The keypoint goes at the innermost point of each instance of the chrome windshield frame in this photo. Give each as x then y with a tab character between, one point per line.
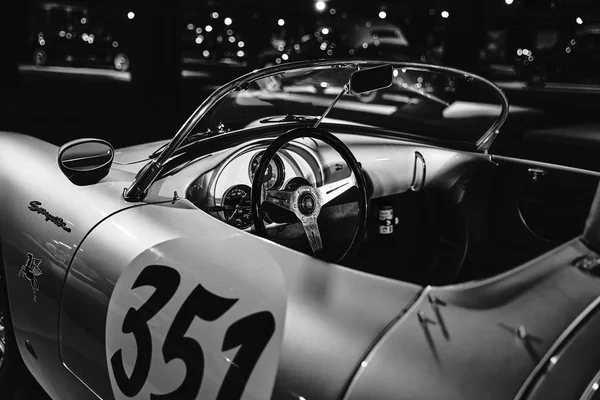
145	178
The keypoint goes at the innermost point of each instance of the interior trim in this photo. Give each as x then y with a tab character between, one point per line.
496	158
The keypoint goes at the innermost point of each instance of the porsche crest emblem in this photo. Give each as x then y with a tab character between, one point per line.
31	270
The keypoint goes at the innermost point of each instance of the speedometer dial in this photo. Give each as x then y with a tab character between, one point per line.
236	204
295	183
274	174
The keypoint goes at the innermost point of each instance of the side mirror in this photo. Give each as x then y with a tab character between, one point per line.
367	80
85	161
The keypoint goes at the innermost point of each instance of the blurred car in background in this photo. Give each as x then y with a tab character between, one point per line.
364	40
559	56
207	41
66	34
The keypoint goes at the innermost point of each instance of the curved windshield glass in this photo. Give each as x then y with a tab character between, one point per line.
421	101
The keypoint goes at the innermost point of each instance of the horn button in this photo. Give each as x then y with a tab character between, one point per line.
307	203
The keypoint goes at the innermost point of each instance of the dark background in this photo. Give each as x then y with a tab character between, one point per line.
75	95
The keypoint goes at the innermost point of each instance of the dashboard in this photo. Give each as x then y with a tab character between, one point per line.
287	170
220	183
301	162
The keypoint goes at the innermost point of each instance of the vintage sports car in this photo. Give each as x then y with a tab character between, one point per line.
290	245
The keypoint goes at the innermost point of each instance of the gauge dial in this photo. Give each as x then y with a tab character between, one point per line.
236	202
274	174
295	183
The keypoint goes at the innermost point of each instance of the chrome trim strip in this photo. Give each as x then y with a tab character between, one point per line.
82	382
146	177
592	388
537	372
541	164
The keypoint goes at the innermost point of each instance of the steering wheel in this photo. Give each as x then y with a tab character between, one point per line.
305	202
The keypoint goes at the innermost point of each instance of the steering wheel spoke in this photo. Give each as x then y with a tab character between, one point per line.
311	228
333	190
280	198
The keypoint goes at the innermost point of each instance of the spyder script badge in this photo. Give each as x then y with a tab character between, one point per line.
36	206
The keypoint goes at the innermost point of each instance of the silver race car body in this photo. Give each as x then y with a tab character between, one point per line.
145	283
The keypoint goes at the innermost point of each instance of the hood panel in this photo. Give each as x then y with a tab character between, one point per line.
132	159
137	152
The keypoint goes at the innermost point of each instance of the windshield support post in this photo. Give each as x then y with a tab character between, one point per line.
345	90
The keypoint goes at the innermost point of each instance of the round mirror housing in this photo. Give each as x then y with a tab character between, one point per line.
85	161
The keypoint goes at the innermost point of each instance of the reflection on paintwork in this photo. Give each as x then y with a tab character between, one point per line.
60	251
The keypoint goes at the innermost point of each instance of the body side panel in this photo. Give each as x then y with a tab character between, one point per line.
50	231
328	315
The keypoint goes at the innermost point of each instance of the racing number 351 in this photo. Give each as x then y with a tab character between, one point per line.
252	333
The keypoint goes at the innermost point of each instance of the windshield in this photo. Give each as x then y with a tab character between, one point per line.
422	101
